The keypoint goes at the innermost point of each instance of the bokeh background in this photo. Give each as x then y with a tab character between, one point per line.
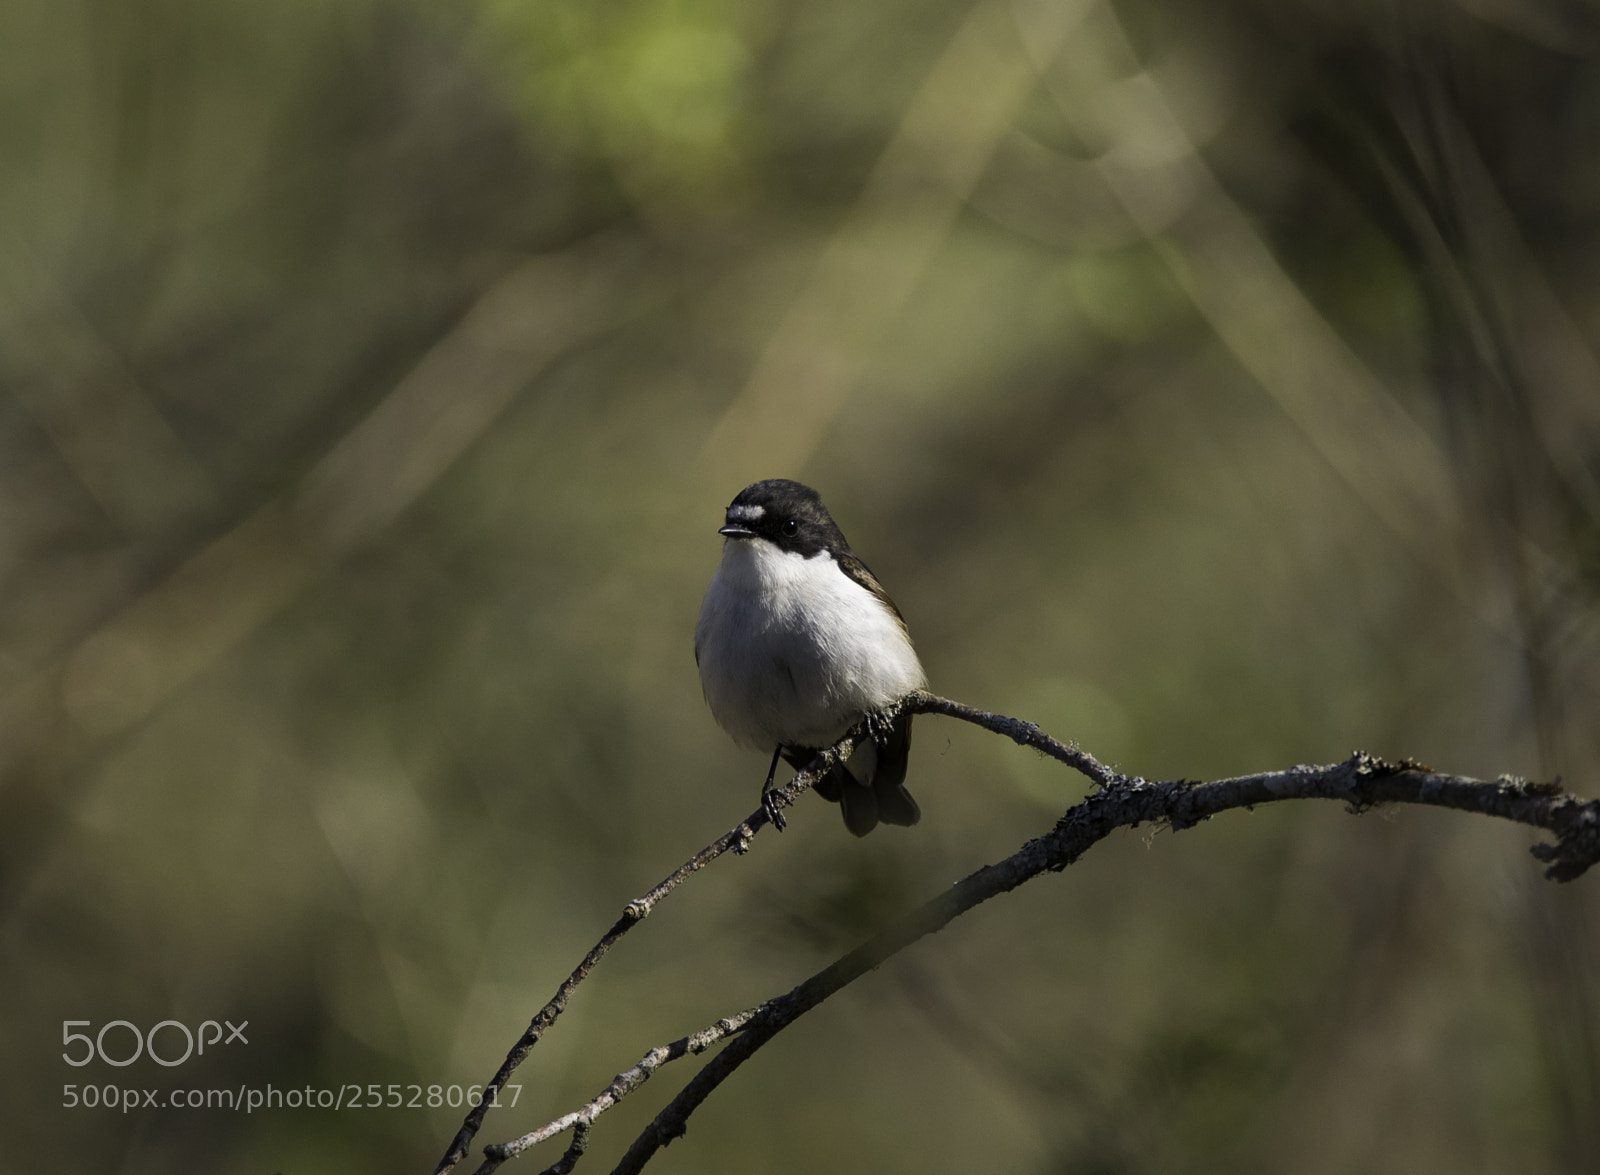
1214	384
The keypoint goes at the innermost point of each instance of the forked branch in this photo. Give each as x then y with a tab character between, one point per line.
1360	782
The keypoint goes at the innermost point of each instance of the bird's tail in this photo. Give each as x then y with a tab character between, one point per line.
870	788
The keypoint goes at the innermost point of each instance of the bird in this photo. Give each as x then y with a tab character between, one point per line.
797	641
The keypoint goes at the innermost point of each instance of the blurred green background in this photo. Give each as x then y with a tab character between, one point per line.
1213	384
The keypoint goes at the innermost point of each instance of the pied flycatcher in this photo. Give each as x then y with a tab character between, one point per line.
797	641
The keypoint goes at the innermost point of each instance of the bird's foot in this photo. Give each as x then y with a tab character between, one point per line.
877	727
772	802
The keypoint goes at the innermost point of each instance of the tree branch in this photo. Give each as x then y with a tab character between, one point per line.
1360	782
621	1086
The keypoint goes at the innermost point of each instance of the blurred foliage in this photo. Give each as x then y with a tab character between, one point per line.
1212	384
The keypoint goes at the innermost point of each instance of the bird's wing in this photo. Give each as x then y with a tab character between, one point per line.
858	571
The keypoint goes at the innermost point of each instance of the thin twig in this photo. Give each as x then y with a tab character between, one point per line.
621	1086
1025	734
569	1158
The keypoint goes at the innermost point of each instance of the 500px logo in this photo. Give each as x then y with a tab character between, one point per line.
145	1042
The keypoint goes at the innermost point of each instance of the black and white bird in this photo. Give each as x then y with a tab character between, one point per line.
797	641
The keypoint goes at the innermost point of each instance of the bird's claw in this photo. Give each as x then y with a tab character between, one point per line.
772	802
877	728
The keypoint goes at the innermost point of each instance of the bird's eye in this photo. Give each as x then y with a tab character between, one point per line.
791	527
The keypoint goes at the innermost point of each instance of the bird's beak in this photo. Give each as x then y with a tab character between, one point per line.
734	531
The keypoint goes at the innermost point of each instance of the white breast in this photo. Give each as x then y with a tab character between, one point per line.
794	651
